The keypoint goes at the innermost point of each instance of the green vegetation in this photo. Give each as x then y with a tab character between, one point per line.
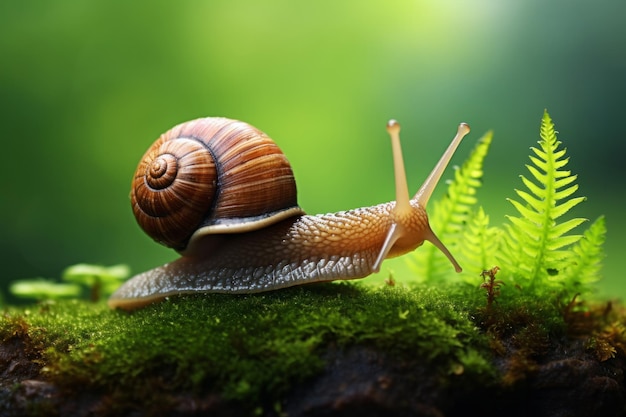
251	350
535	247
92	281
43	289
535	251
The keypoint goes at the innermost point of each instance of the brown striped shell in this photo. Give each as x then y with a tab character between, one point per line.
211	176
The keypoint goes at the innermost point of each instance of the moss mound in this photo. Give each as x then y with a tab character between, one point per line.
258	353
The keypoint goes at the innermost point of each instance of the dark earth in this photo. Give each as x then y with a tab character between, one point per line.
560	378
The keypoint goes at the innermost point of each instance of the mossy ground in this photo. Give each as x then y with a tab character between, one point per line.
254	349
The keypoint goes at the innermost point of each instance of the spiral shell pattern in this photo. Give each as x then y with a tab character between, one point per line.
207	173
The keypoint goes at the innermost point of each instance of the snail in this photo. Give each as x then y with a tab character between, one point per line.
222	194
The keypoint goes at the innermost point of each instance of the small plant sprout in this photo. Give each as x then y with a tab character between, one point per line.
100	280
491	284
42	289
390	280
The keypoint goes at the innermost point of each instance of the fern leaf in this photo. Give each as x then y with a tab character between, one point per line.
560	210
561	242
512	248
450	214
565	181
477	247
589	254
560	195
528	212
565	227
535	246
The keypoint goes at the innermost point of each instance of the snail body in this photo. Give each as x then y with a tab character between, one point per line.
227	246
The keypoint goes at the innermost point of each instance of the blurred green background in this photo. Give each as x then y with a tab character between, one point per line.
85	87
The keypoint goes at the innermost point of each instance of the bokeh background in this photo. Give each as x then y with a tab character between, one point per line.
85	87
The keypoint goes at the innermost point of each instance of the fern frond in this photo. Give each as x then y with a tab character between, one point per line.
450	214
477	247
535	245
589	254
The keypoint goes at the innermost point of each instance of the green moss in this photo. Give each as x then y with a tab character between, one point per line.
246	347
253	349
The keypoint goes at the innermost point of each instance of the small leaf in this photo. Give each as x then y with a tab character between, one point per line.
41	289
527	212
535	189
541	178
565	227
100	280
565	181
559	164
566	193
561	209
562	241
84	273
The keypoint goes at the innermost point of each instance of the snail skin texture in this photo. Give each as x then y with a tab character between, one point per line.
222	194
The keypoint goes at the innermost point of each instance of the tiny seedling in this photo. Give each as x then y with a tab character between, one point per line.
98	281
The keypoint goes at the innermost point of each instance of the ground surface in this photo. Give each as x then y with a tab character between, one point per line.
341	351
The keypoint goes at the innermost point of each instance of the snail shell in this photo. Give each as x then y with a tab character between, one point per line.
209	176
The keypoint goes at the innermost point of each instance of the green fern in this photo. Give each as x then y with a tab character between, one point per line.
534	250
450	214
477	247
536	246
588	254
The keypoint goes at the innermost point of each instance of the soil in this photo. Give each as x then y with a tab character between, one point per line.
564	379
